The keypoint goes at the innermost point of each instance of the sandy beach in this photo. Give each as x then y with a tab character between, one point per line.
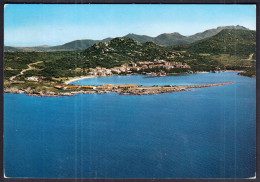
78	78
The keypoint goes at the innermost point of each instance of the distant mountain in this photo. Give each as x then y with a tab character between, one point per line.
165	39
169	39
78	44
9	48
212	32
140	38
36	48
75	45
43	46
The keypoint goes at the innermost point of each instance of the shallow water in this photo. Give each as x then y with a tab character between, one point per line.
184	79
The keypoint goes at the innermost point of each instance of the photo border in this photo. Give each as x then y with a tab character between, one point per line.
256	2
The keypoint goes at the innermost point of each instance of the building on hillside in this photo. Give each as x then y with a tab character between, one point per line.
144	67
167	67
135	68
115	70
122	69
159	61
35	78
155	66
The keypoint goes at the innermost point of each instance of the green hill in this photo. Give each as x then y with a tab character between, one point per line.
228	41
121	50
212	32
232	49
171	39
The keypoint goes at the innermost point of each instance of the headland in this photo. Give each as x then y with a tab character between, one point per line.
133	89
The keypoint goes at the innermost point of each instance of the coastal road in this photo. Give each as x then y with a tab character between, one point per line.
24	70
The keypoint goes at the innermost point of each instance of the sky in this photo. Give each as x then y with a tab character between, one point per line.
46	24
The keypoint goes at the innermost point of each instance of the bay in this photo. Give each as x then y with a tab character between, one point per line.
202	133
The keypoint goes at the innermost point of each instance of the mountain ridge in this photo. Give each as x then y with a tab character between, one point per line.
164	39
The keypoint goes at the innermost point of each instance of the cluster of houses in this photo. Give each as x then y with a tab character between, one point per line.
134	67
35	78
126	68
98	71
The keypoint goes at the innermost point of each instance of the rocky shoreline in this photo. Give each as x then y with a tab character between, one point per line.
165	89
140	90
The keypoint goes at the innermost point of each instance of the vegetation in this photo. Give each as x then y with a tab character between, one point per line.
233	42
250	72
232	49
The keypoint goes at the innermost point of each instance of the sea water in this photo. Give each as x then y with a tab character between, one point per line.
202	133
184	79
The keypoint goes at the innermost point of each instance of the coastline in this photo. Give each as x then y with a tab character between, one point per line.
239	71
73	79
56	91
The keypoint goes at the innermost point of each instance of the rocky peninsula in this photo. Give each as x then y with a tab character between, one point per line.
120	89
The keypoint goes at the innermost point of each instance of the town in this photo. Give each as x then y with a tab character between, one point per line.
129	68
145	67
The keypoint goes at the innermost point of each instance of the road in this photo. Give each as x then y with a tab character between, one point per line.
24	70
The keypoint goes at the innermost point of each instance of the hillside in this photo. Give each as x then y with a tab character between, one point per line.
75	45
228	41
75	63
212	32
171	39
229	49
165	39
121	50
140	38
78	44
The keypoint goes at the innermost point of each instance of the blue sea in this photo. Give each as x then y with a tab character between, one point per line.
202	133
